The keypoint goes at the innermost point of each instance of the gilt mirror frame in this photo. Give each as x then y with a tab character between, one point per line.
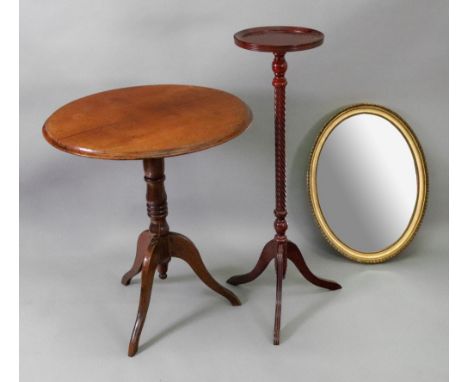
421	176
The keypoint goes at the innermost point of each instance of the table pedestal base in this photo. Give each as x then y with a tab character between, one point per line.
281	252
157	245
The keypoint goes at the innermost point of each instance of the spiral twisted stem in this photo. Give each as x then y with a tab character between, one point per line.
279	67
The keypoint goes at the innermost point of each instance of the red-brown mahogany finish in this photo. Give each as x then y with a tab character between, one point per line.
150	123
280	40
158	245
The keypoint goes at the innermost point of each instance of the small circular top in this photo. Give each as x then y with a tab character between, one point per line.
278	39
153	121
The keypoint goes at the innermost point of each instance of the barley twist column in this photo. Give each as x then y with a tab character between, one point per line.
280	40
279	82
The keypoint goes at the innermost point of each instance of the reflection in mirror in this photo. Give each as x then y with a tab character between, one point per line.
367	181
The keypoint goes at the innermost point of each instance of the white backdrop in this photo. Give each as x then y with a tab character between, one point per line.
80	217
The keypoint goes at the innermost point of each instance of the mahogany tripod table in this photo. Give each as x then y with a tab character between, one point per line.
150	123
279	40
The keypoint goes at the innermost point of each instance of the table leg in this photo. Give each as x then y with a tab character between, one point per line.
162	270
149	268
142	248
183	248
157	245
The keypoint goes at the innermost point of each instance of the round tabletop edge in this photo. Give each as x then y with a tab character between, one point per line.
259	47
148	154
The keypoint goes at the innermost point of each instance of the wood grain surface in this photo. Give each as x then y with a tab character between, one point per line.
152	121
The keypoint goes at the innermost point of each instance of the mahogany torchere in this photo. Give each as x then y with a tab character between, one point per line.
279	40
150	123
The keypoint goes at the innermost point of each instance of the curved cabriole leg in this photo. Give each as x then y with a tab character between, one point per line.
281	249
142	246
294	254
157	245
280	261
268	254
154	242
147	277
184	249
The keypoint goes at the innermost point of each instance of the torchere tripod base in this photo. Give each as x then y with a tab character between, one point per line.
281	252
154	253
279	40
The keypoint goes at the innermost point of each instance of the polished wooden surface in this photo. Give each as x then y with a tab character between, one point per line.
141	122
278	39
158	245
150	123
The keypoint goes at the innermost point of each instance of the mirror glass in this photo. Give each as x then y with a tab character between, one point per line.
366	182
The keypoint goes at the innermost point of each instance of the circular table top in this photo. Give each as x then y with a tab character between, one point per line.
278	39
153	121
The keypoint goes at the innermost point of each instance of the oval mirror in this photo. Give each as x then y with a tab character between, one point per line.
367	183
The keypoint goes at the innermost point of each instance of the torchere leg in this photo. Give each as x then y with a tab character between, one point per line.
147	277
142	246
285	264
184	249
280	261
268	254
294	254
280	247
